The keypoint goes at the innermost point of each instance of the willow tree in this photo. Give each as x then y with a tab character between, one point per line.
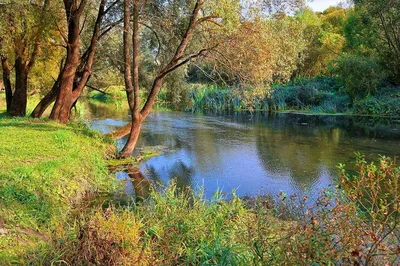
187	22
23	32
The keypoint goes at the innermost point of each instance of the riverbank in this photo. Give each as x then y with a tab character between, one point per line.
45	170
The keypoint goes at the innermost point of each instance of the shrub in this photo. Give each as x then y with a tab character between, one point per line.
385	104
319	95
359	75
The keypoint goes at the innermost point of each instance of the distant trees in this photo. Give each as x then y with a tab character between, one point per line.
323	33
384	16
24	29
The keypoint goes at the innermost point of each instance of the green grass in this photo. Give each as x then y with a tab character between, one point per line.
45	168
112	94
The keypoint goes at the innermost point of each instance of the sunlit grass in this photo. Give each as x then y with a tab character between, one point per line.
45	168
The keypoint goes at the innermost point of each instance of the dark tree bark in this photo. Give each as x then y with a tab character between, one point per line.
7	81
178	60
20	96
47	100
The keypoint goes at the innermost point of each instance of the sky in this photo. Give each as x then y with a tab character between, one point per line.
321	5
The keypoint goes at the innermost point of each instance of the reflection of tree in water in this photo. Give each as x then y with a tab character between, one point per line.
179	172
100	110
154	139
182	174
297	150
140	183
152	174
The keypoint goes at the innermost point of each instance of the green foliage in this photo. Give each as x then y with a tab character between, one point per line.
112	94
171	228
45	168
362	35
325	40
317	95
384	18
359	75
211	97
386	103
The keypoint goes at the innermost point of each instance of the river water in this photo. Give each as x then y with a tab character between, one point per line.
252	154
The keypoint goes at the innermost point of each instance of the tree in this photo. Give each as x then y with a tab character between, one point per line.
179	58
209	22
23	29
324	35
386	15
76	68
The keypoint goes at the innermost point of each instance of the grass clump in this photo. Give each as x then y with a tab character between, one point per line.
45	168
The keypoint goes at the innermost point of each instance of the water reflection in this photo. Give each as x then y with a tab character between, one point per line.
140	183
255	153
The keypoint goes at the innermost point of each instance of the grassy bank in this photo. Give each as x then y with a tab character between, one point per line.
45	169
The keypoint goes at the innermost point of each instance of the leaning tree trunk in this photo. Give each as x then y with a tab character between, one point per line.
132	139
62	107
77	70
132	88
47	100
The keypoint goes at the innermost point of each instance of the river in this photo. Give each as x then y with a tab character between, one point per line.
252	154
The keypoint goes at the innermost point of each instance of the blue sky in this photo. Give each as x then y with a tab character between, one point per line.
321	5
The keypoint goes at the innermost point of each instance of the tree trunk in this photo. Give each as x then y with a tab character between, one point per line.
7	81
46	101
20	96
62	107
132	88
77	70
132	140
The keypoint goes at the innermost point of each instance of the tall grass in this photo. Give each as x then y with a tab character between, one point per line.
212	97
320	95
356	224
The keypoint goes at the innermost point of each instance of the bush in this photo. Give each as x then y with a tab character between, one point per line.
318	95
359	75
385	104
